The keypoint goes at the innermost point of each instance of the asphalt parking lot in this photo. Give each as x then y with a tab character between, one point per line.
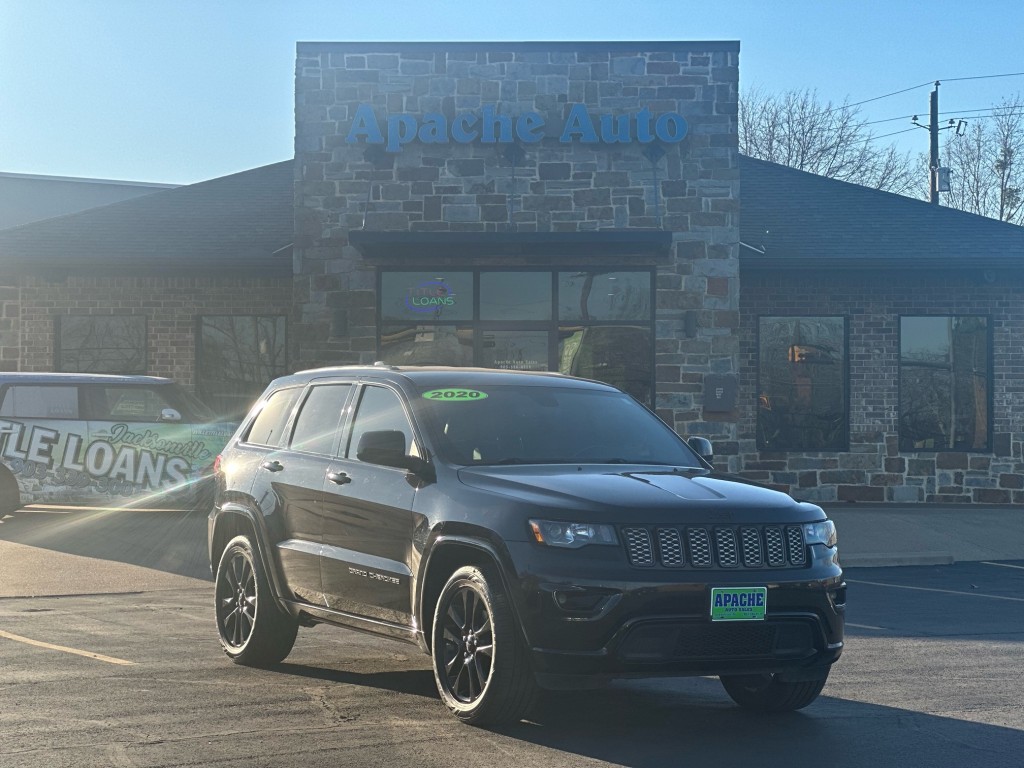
112	660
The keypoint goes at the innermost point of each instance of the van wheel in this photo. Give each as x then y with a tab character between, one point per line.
766	693
10	494
481	662
253	629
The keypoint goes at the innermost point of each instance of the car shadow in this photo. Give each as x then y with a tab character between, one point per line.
169	541
691	722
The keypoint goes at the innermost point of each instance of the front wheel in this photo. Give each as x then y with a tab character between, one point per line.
253	629
481	662
766	693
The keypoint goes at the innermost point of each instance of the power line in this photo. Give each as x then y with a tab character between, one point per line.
980	77
887	135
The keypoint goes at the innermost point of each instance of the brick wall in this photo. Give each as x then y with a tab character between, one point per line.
551	187
10	325
170	305
874	469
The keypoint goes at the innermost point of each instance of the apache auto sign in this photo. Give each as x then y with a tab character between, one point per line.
490	127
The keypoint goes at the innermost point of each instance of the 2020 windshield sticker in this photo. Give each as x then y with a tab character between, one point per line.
455	395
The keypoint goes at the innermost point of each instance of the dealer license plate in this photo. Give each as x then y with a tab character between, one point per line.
738	603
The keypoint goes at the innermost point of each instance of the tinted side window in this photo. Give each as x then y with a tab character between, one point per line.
380	409
126	403
40	402
268	427
318	420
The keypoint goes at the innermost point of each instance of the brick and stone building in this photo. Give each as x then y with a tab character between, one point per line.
564	206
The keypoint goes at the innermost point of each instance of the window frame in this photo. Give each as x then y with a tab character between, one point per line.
847	414
989	384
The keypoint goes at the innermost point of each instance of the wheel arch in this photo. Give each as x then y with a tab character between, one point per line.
236	520
448	554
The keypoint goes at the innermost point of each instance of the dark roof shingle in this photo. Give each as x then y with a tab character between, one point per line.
800	219
233	223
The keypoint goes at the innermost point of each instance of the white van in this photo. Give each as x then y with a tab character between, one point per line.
70	439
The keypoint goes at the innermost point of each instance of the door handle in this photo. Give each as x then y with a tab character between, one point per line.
339	478
272	466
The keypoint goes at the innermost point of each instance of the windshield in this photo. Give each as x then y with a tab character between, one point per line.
549	425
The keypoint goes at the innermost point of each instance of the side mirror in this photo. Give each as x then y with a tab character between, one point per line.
169	414
702	447
387	447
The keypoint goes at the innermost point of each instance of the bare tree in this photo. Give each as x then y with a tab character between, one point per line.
986	165
794	128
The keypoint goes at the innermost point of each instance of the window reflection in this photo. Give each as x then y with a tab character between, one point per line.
604	295
619	355
238	356
515	350
515	296
944	383
802	379
427	345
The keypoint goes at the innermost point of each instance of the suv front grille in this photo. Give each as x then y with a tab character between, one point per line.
740	546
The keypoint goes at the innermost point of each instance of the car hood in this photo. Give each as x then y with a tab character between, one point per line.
670	492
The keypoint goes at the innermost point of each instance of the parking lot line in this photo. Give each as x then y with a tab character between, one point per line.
1003	565
65	649
932	589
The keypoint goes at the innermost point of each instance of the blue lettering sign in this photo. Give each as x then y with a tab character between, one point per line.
491	127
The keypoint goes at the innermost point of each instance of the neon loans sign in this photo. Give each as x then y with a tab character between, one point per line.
430	296
489	127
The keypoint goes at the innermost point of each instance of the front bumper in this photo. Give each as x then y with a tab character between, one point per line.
592	618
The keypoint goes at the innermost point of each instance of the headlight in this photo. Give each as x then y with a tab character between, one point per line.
556	533
821	533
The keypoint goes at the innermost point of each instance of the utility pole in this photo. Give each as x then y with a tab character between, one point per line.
933	129
938	180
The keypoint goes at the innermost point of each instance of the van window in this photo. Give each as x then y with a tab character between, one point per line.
268	427
33	401
126	403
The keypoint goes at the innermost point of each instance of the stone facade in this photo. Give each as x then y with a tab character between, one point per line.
548	186
874	469
171	306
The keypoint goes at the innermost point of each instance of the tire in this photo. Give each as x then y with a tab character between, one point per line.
10	494
766	693
253	629
480	659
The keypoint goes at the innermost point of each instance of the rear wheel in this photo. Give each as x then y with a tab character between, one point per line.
10	495
766	693
253	629
481	662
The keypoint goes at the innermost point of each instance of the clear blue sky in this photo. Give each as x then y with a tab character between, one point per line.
179	91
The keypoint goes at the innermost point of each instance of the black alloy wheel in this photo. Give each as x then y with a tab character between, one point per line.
253	630
481	664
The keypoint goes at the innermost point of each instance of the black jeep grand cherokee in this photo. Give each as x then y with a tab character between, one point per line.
526	530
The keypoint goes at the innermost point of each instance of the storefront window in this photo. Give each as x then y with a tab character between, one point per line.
945	386
515	296
615	354
604	295
802	403
515	350
427	345
101	344
238	356
604	328
426	297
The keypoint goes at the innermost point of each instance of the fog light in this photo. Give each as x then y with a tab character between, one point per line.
579	600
